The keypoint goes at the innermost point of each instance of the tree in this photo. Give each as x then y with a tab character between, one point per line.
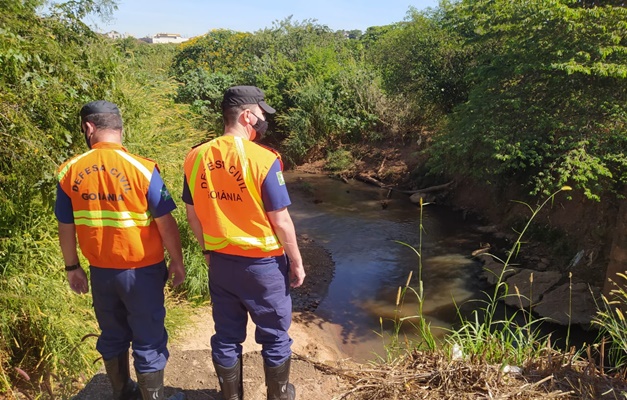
425	62
549	103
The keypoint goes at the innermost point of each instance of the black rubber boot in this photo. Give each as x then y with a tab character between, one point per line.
278	382
230	380
151	387
120	377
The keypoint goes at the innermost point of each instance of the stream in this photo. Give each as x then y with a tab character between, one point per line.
361	228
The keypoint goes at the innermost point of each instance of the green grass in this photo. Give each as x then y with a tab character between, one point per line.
612	324
339	160
394	345
42	322
48	332
483	337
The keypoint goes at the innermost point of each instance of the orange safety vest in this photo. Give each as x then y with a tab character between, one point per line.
108	187
225	177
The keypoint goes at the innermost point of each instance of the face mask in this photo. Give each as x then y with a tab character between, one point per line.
260	127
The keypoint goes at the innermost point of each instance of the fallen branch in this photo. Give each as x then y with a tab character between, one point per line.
431	188
369	179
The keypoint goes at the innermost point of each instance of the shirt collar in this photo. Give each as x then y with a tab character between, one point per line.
109	145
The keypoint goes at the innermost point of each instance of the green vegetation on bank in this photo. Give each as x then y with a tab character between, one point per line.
50	67
530	93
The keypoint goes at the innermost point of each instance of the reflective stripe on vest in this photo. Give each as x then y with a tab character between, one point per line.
73	161
136	164
194	174
267	243
116	219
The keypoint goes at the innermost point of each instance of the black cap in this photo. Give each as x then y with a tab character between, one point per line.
99	107
240	95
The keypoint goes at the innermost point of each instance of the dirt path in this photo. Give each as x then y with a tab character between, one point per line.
190	369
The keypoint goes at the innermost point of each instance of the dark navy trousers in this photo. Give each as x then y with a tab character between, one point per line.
240	286
129	306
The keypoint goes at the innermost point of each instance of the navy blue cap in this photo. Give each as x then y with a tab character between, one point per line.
99	107
241	95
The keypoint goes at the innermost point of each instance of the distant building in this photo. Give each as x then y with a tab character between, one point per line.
165	38
115	35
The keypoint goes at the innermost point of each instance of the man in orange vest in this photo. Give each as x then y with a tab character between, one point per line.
119	208
236	203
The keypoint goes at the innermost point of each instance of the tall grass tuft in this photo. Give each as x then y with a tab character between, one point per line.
418	321
612	324
507	341
42	322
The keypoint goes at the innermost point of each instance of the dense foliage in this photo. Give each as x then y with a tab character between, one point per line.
49	67
548	103
424	60
529	93
325	95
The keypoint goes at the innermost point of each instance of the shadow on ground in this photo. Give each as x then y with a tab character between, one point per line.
192	372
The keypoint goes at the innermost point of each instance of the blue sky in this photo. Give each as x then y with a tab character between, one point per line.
196	17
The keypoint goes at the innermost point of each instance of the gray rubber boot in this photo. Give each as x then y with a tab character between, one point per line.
151	387
119	375
278	382
230	380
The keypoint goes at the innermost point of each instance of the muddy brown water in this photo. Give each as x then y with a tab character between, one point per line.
360	227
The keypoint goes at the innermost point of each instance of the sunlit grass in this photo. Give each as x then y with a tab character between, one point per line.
612	323
48	332
486	336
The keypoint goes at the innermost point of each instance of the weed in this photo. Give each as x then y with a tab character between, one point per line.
506	340
339	160
421	325
612	324
513	339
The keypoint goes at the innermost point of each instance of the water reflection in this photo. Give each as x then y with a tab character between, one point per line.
359	225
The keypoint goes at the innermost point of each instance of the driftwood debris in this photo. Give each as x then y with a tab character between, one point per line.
370	180
428	195
432	189
373	181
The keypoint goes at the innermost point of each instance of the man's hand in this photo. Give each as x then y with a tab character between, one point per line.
297	275
78	281
169	231
176	273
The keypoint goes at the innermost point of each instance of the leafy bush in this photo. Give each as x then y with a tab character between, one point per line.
339	160
324	94
549	103
424	60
